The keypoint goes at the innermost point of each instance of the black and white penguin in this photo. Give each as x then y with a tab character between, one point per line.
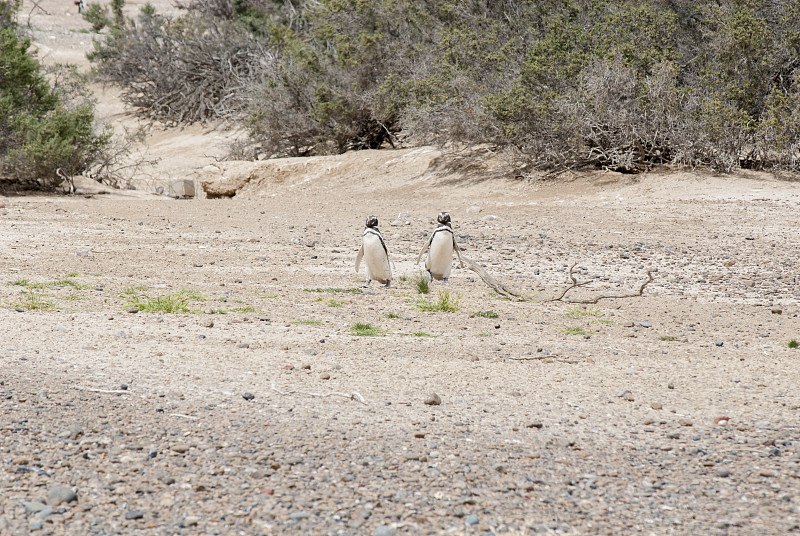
440	247
375	254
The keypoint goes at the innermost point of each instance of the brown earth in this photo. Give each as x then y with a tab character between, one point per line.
554	417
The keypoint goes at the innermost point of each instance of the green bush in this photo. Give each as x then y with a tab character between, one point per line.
45	135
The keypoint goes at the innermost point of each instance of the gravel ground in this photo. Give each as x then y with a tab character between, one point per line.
261	412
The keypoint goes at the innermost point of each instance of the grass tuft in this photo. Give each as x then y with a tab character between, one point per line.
307	322
578	312
362	329
422	283
392	315
334	290
793	344
575	330
33	301
447	303
667	338
177	302
486	314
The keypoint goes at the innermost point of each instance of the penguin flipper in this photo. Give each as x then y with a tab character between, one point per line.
425	248
359	257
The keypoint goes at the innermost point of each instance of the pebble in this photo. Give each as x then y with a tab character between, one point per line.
33	507
432	399
248	396
656	405
383	530
191	521
471	519
132	309
324	376
180	448
646	324
73	432
724	472
718	343
243	345
208	324
296	516
134	514
61	494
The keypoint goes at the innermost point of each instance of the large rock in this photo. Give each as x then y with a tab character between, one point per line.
182	187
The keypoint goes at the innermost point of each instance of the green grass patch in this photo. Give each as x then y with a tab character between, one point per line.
176	302
66	282
306	322
793	344
33	301
575	330
337	303
334	290
446	303
362	329
667	338
423	334
581	312
486	314
422	283
483	334
236	310
392	315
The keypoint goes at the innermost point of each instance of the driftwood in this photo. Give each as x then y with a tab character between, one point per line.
493	283
596	299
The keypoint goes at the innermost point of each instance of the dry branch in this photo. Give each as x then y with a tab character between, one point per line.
596	299
352	396
104	391
493	283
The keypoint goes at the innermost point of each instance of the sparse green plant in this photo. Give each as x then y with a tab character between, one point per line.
392	315
34	301
177	302
308	322
483	334
422	283
575	330
60	283
576	312
793	344
486	314
423	334
362	329
446	303
667	338
334	290
336	303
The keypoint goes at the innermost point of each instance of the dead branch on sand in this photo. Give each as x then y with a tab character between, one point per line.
493	283
576	284
104	391
352	396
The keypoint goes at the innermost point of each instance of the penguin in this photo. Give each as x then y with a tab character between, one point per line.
440	247
375	254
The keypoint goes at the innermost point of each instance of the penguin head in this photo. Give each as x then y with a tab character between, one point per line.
444	218
372	222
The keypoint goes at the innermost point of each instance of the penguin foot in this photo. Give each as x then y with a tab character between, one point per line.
387	284
446	281
366	285
430	276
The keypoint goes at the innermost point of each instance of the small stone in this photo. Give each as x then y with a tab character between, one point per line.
191	521
324	376
287	366
61	494
134	514
208	324
433	400
180	448
724	472
625	395
383	530
670	385
83	253
45	513
306	366
471	519
310	351
248	396
296	516
34	507
776	311
628	325
474	209
36	525
722	420
718	343
132	309
243	345
20	460
646	324
656	405
536	424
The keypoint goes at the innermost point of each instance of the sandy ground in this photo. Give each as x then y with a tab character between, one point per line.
260	411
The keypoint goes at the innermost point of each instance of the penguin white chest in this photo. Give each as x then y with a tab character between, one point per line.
376	259
440	255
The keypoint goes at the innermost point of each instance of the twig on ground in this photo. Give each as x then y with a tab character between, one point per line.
352	396
104	391
182	416
596	299
493	283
